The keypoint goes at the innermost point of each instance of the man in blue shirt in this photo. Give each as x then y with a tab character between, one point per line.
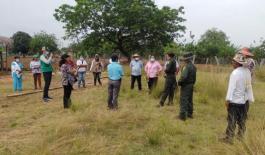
115	73
136	66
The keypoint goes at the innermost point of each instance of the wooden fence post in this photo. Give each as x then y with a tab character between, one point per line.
194	57
207	61
256	62
262	62
217	61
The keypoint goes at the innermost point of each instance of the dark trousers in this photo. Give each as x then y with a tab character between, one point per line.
47	79
113	90
169	90
247	106
97	76
237	114
139	81
37	80
152	82
67	95
186	101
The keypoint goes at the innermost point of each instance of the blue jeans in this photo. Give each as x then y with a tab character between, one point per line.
17	83
81	78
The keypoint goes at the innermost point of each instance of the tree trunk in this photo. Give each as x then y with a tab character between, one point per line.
123	51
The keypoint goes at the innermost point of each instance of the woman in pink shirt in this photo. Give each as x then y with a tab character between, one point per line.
152	69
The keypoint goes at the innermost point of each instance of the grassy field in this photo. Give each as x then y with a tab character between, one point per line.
27	126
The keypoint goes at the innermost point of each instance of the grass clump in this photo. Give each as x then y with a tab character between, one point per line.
260	73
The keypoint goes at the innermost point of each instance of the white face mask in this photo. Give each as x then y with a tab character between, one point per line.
136	59
17	60
47	53
152	59
81	58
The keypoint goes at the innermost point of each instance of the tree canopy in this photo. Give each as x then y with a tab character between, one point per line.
215	43
125	26
43	39
21	42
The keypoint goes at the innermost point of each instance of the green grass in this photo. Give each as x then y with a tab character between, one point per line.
27	126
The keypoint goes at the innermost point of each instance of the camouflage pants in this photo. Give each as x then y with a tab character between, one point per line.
169	90
186	101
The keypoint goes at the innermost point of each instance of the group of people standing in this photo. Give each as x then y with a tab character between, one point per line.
239	93
153	70
43	64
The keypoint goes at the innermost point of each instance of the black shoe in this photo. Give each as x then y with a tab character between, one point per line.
49	98
190	117
46	100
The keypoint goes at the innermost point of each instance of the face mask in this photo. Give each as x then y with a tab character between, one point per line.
136	59
17	60
47	53
81	59
152	59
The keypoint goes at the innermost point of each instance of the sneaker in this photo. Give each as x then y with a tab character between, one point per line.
49	98
45	100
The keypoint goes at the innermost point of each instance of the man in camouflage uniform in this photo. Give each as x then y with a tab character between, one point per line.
187	81
170	83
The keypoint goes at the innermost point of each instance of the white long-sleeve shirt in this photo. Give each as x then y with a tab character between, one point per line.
35	67
81	62
45	60
240	87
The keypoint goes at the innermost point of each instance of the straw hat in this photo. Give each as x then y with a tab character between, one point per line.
136	55
239	58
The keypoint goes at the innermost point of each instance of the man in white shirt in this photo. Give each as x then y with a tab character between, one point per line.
239	92
82	67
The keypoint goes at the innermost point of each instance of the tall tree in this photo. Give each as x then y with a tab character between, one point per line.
215	43
43	39
125	25
21	42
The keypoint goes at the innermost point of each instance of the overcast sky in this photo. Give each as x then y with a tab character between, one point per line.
242	20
